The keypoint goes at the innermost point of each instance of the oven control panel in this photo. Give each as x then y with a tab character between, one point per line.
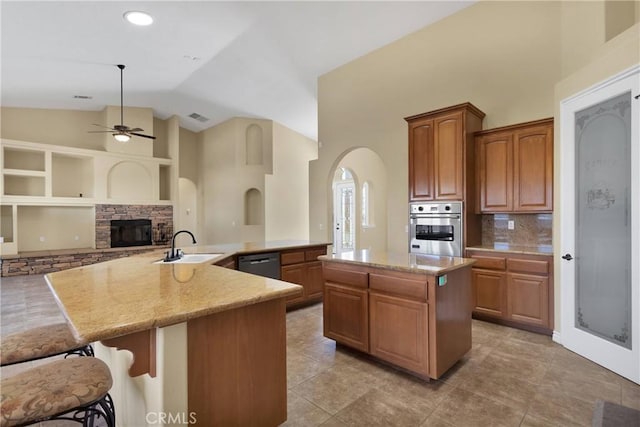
435	208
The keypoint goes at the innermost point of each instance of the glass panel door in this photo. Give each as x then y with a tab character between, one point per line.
603	226
599	224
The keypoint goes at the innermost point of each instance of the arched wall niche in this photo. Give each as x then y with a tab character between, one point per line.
253	207
129	180
254	145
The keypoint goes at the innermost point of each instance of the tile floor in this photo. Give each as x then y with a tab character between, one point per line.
509	378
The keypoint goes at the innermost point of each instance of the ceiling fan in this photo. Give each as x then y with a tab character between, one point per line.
121	132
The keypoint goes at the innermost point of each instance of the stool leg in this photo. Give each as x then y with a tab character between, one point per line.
82	351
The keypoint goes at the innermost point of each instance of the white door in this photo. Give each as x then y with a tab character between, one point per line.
344	194
599	224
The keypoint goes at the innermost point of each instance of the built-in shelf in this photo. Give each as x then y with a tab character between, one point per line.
57	187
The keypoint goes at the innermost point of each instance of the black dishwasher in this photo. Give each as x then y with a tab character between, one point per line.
266	264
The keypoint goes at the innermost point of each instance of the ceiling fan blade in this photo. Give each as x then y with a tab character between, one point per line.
142	135
100	131
102	126
135	130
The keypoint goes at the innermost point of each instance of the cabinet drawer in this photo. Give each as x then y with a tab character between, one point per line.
346	275
411	286
313	254
492	263
528	266
291	257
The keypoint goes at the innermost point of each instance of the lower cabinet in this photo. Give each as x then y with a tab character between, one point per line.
398	328
402	318
515	289
489	292
346	315
301	266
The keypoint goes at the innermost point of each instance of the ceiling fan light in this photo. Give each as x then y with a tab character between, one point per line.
137	17
121	137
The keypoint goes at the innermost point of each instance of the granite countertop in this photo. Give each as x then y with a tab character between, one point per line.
133	294
253	247
413	263
516	249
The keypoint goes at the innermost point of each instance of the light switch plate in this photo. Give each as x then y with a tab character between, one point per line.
511	225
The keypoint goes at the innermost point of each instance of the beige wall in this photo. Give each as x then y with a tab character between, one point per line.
504	57
60	227
225	178
620	53
287	189
58	127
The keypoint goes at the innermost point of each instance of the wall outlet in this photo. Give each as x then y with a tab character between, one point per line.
42	239
321	226
76	238
511	225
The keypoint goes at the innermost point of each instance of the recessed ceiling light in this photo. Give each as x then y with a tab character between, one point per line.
138	18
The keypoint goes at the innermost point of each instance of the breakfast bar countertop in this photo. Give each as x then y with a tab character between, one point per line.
412	263
132	294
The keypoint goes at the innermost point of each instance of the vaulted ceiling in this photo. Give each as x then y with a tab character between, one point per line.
218	59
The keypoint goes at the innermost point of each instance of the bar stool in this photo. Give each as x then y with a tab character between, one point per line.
41	342
74	389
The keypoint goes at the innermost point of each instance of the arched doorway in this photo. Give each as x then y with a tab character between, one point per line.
344	205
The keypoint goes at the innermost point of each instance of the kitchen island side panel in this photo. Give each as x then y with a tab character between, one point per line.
450	331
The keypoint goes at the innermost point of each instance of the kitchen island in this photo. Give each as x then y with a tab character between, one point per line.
206	344
412	311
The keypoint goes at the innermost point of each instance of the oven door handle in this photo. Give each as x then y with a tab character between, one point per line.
439	216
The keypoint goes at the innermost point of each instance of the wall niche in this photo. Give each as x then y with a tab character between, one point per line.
253	207
254	145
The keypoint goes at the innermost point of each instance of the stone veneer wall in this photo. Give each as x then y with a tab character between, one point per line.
39	263
158	214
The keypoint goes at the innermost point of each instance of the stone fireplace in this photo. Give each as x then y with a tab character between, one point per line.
160	217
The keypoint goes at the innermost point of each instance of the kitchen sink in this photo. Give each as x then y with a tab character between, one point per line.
191	259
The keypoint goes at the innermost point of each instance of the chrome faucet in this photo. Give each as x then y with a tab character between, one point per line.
177	254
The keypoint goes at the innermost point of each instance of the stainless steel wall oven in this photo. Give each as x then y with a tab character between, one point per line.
436	228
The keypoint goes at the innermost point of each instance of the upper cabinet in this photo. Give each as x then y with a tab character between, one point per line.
515	168
441	153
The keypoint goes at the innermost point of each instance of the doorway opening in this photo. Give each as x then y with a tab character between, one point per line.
344	197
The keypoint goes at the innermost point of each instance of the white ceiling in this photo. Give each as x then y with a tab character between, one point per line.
256	59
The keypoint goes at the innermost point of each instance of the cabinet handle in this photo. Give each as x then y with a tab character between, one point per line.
568	257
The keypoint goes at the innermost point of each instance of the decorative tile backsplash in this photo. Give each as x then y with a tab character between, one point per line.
529	229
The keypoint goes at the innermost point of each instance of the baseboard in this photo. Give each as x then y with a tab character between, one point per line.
556	337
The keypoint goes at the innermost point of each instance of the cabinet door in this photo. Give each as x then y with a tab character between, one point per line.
314	285
345	316
533	169
399	331
528	299
495	172
489	292
421	161
294	274
448	157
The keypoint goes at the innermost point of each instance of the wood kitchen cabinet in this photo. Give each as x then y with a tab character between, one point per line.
398	320
515	168
301	266
403	318
489	292
346	306
441	153
513	289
